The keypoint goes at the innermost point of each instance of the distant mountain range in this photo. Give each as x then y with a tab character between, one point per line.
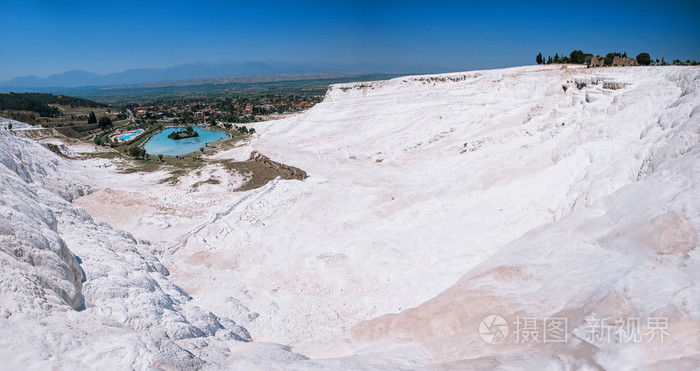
197	71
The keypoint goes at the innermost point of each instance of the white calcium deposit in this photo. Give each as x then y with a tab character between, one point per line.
432	202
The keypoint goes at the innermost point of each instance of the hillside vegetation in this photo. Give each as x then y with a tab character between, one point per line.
47	109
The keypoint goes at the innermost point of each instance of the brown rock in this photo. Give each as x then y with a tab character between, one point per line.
597	61
624	61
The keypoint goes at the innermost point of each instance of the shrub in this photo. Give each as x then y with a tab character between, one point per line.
137	152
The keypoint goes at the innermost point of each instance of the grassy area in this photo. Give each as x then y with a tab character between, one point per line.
70	116
75	116
110	155
177	166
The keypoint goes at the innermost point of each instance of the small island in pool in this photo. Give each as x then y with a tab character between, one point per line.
187	133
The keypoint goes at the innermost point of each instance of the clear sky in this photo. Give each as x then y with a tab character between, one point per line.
52	36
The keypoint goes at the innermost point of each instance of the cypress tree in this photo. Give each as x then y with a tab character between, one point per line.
105	122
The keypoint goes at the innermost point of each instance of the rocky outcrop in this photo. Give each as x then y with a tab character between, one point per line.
597	62
624	61
60	149
617	61
286	171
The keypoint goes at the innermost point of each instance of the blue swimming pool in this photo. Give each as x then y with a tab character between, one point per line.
127	137
130	136
160	144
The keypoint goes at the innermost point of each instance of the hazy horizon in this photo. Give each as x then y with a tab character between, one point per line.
329	66
109	37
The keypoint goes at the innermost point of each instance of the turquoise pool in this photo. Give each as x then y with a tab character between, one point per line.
130	135
160	144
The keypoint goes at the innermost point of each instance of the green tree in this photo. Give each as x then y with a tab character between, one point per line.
92	119
556	58
539	58
577	56
105	122
9	126
643	59
137	152
160	157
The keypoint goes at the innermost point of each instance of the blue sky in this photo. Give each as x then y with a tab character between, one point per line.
45	37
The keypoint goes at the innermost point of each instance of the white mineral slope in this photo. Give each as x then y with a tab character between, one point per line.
539	191
78	294
75	293
617	173
630	255
416	182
